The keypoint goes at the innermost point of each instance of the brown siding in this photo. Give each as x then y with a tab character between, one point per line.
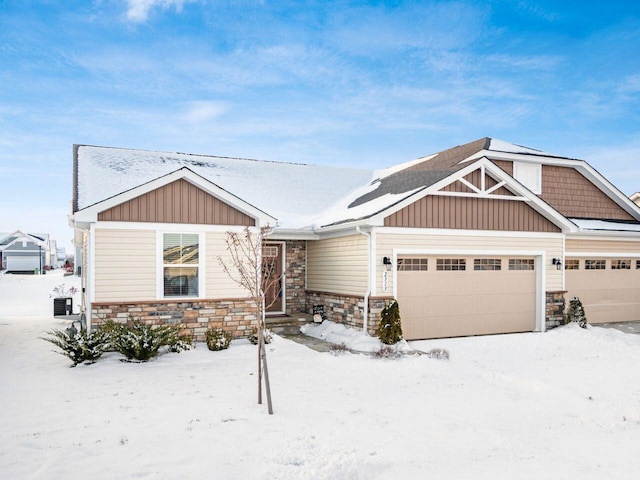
177	202
470	213
569	192
504	165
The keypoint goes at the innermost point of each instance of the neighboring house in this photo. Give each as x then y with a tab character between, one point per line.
487	237
636	198
23	252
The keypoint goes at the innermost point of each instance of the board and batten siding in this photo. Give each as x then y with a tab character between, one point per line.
574	245
387	241
125	265
218	283
338	265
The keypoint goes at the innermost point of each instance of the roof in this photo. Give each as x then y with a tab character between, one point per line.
294	193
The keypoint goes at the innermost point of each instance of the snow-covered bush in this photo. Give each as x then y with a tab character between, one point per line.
576	312
78	345
61	291
266	335
390	328
338	348
438	353
387	351
218	339
140	342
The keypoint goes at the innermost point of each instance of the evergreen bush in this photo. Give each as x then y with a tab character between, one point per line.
78	345
218	339
576	312
141	342
390	328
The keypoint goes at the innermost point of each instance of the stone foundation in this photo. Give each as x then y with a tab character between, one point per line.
237	316
554	310
348	309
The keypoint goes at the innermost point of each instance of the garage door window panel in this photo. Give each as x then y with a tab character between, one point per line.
521	264
487	264
572	264
595	264
451	264
620	264
413	264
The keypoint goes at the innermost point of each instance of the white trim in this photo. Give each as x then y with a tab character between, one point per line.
90	213
373	268
540	262
596	255
283	258
91	258
173	227
483	194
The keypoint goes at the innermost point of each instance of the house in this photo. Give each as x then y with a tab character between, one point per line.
23	252
483	238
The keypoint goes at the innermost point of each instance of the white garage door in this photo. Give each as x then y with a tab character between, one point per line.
460	296
18	264
609	288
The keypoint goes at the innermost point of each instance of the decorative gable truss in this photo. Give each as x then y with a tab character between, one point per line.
479	197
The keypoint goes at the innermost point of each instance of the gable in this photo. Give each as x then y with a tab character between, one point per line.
471	213
177	202
572	194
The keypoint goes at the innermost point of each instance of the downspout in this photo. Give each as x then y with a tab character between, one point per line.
365	318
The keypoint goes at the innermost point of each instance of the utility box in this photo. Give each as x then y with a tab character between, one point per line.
62	306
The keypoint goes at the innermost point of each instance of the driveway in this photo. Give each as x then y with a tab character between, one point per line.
626	327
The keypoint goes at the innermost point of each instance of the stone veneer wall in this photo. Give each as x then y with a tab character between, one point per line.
295	263
554	312
348	309
237	316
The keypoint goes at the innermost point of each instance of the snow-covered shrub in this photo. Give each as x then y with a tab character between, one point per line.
266	335
390	328
576	312
438	353
78	345
62	291
140	342
387	351
218	339
337	349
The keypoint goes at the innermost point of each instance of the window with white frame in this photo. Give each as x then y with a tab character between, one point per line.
180	264
480	264
621	264
413	264
572	264
529	174
521	264
451	264
595	264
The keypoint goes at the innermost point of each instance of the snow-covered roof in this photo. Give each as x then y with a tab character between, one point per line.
291	192
606	225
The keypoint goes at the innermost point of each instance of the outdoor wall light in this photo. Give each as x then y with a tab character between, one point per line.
386	261
557	262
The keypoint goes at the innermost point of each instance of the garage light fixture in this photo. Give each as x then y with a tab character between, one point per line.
557	262
386	261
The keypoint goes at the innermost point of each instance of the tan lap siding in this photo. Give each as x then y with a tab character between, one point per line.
338	265
602	246
218	283
125	265
386	242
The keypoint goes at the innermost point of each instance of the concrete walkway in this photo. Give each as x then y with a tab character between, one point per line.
626	327
289	328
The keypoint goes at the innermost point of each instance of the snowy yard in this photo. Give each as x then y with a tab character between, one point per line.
562	405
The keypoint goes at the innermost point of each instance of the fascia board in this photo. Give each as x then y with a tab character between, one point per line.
21	235
90	214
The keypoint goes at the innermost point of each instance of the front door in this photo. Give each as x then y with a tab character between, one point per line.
274	280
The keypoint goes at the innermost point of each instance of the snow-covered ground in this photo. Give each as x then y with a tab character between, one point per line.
561	405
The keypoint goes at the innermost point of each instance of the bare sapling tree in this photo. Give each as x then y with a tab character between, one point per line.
257	273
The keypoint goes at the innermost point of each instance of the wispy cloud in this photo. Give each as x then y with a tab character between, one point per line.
138	10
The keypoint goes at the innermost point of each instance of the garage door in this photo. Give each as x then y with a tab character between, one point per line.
22	264
460	296
609	288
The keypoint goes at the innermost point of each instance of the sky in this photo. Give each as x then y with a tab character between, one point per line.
364	83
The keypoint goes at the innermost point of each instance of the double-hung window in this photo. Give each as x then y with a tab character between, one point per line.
181	264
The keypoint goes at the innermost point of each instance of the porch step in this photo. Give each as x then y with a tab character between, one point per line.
288	325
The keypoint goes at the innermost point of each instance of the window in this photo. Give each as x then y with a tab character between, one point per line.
594	264
521	264
451	264
572	264
487	264
620	264
180	261
413	264
529	174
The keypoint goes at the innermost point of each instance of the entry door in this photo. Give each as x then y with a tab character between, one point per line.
272	266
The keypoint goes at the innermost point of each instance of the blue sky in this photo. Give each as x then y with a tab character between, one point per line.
328	82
